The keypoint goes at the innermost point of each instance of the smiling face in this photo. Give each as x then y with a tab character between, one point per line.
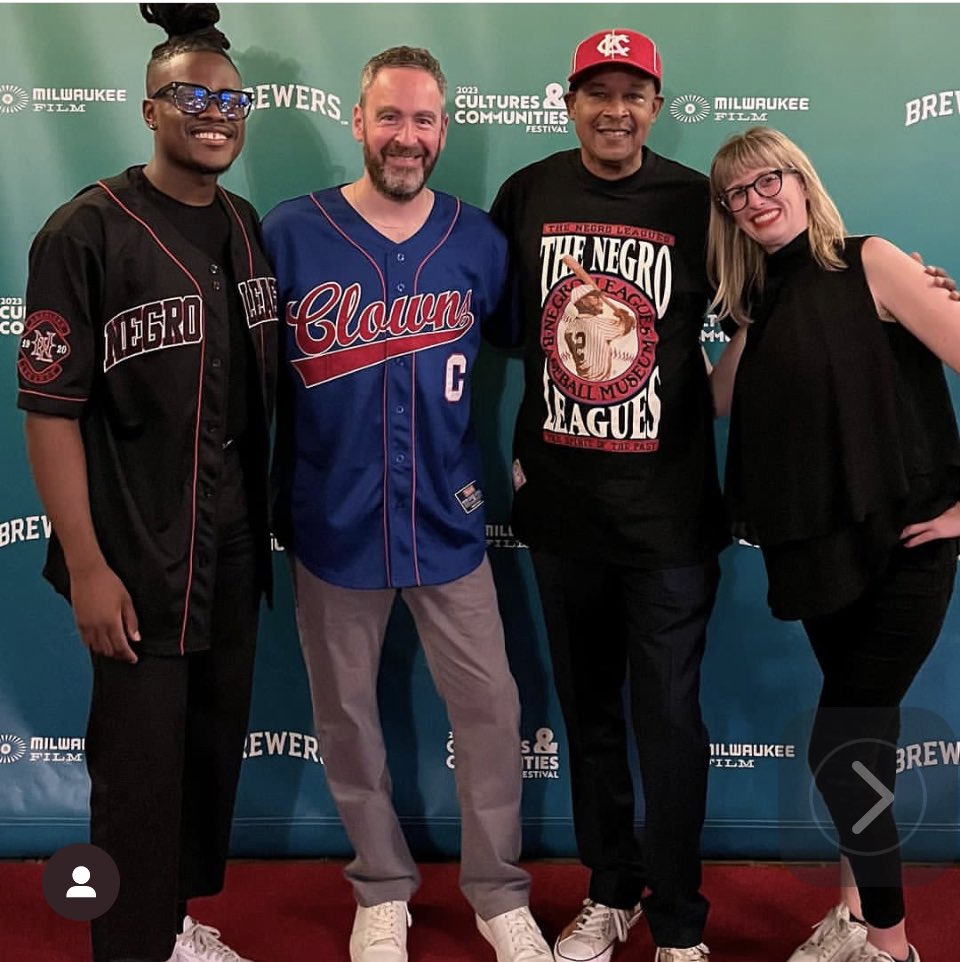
612	111
403	128
205	143
772	221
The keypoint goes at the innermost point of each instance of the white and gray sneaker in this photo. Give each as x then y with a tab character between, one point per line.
201	943
836	939
867	953
696	953
593	934
515	936
380	933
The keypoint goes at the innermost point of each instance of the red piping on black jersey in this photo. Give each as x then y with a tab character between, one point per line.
196	433
246	241
55	397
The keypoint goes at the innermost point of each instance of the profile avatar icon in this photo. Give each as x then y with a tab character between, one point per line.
66	882
81	875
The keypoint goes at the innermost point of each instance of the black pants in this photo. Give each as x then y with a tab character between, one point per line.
164	747
607	623
870	652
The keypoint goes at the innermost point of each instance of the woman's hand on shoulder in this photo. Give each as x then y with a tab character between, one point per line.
940	277
923	300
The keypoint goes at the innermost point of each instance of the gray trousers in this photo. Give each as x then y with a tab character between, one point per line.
342	632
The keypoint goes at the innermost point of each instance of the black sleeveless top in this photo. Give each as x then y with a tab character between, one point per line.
842	431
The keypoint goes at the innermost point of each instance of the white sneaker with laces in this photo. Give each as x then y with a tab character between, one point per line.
867	953
380	933
836	939
201	943
515	937
592	935
696	953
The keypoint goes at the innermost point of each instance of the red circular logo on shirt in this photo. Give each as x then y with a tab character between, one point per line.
600	339
44	347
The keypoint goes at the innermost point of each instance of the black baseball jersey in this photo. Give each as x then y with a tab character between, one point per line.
127	330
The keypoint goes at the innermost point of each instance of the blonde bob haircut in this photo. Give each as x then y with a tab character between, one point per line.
735	262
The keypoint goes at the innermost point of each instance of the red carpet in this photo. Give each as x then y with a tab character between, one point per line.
297	911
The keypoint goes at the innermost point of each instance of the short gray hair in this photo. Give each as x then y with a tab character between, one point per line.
417	57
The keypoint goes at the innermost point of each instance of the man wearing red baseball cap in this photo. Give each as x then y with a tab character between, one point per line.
628	579
616	48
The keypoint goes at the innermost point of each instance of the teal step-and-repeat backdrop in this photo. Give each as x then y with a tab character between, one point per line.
868	90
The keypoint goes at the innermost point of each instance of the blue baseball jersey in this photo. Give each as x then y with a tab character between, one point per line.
382	473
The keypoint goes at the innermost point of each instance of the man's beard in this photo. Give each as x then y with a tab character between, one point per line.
398	184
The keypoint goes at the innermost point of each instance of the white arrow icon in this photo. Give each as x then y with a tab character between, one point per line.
886	796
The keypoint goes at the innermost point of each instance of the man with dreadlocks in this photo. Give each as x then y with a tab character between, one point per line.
147	370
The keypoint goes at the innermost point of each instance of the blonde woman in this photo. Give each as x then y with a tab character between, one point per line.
844	467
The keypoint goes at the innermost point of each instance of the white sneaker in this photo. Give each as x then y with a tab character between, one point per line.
515	937
697	953
593	933
380	933
836	939
867	953
201	943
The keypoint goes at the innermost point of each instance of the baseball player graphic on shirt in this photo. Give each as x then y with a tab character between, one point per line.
599	335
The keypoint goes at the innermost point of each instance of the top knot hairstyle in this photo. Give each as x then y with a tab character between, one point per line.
190	28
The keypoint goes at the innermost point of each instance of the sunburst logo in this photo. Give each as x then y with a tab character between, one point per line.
12	749
690	108
12	99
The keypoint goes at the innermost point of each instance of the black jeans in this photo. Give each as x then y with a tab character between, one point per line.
164	746
870	652
607	623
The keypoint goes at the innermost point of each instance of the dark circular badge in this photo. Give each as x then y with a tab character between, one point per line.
81	882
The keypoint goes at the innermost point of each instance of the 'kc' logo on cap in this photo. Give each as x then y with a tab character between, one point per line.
621	48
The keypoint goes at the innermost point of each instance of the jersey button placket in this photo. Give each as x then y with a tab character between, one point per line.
400	443
209	466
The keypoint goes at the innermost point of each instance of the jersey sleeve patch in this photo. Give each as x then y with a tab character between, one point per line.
44	346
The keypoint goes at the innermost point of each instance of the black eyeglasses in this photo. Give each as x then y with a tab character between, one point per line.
766	185
194	99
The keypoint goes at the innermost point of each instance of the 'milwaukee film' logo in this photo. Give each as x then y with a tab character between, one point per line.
603	288
746	755
502	536
57	749
13	99
544	113
692	108
43	748
57	100
12	748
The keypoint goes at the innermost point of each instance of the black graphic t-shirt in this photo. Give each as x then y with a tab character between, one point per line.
614	439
